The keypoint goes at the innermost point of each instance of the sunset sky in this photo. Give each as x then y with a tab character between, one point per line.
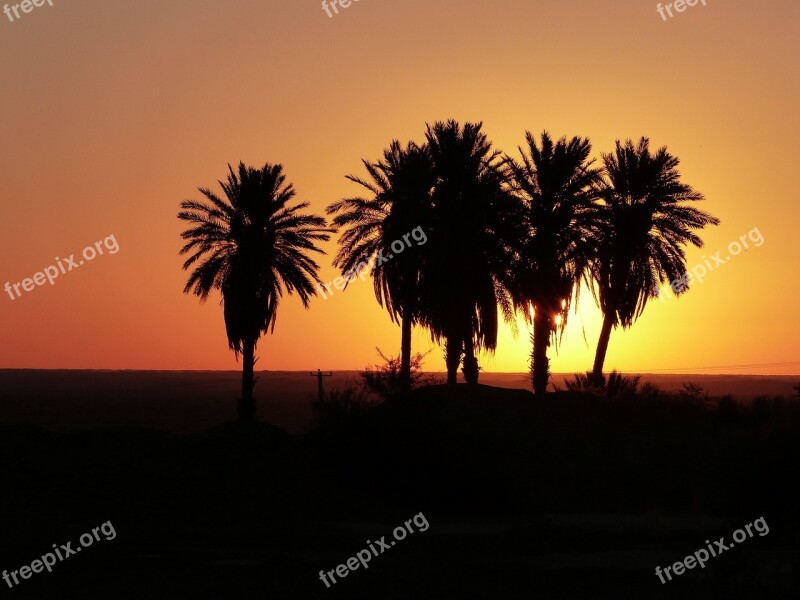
113	112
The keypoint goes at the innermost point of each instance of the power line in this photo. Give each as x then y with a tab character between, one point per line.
747	366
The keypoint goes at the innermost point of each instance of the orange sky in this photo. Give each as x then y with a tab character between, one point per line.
113	112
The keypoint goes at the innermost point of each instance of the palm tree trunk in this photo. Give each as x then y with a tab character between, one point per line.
602	348
247	405
470	363
405	355
540	367
452	352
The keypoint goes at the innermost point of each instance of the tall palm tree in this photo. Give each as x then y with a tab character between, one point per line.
473	226
556	182
647	223
399	202
251	246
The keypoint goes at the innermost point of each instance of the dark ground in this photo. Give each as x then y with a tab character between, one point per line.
572	497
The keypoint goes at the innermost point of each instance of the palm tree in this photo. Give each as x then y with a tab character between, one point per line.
400	202
646	224
556	182
473	226
251	246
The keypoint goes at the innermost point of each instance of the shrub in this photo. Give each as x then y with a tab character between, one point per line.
622	386
651	391
616	386
692	391
582	382
384	380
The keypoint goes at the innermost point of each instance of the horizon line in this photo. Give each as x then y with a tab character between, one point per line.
524	373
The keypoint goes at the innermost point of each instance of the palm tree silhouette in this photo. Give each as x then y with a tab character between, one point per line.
400	188
473	225
556	182
646	224
252	246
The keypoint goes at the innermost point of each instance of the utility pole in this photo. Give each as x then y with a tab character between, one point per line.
319	375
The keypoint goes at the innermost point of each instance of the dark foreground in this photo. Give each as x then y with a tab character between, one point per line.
574	497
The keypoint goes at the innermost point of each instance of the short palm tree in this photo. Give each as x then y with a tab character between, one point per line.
399	202
556	182
251	246
473	227
646	224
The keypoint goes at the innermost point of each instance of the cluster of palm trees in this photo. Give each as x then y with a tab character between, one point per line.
505	235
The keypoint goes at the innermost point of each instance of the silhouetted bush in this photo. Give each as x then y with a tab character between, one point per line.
384	380
616	386
651	391
583	382
692	391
